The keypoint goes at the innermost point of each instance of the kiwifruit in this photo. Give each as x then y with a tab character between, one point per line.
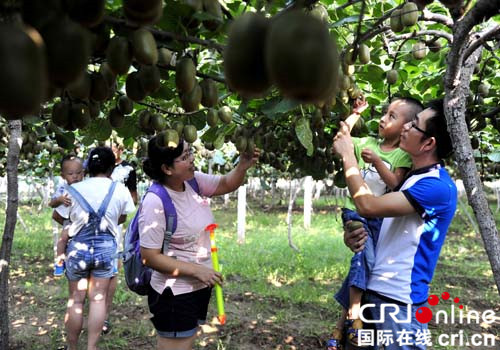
170	138
116	118
349	57
363	54
434	46
143	46
144	117
209	93
244	59
125	105
79	115
395	21
68	50
143	12
185	74
213	8
133	87
250	146
419	50
345	82
164	56
38	13
301	57
99	90
60	114
225	114
85	12
190	133
178	126
108	74
212	117
339	179
354	225
158	122
483	89
149	76
80	88
190	101
241	144
119	55
23	71
319	11
100	39
94	109
392	76
409	14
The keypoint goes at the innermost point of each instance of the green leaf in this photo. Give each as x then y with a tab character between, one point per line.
99	130
199	120
219	141
210	135
304	134
494	157
346	20
275	107
130	127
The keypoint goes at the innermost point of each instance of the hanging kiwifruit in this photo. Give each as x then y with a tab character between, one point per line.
419	50
143	12
392	76
149	76
125	105
60	114
79	115
22	71
212	117
85	12
396	22
133	87
483	89
116	118
99	90
190	133
143	46
244	60
158	122
68	50
164	56
209	93
320	12
409	14
301	57
170	138
363	54
191	100
225	114
213	8
80	88
119	55
185	74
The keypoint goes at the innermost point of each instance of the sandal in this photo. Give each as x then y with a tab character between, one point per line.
335	342
106	327
352	330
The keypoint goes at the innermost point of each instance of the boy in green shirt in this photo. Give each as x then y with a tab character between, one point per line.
383	166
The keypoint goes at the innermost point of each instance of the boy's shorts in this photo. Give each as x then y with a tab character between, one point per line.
178	316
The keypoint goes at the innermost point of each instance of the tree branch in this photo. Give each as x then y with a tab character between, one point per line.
347	4
487	35
491	113
434	17
434	33
483	10
162	35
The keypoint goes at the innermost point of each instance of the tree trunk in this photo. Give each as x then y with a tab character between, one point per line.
457	80
242	207
308	187
273	191
15	142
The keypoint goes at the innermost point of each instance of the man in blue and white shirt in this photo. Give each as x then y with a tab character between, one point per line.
416	218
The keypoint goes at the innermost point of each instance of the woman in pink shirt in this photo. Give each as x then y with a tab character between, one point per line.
183	278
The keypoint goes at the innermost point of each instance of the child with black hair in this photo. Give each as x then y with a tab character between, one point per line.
98	206
71	172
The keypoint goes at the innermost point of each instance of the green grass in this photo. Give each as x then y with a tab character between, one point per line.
281	286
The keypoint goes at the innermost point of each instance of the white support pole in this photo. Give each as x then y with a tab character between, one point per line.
308	187
242	205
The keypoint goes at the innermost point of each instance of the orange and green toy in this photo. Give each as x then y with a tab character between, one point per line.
215	262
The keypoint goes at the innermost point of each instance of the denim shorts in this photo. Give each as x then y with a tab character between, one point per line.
90	256
178	316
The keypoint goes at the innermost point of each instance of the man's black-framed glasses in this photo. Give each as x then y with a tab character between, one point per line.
414	125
